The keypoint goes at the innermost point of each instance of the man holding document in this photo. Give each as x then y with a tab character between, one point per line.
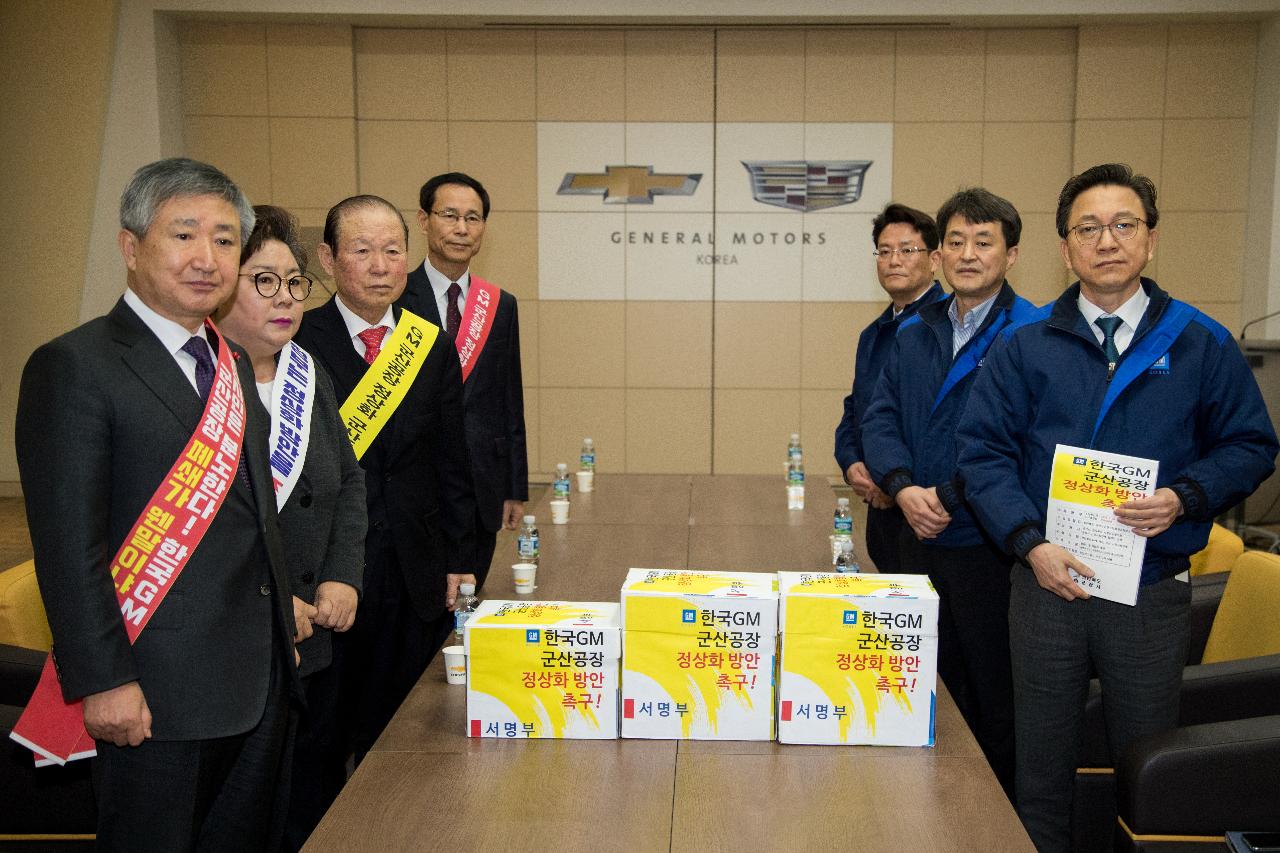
1115	366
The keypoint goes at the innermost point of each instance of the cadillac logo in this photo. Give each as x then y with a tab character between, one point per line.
807	184
628	184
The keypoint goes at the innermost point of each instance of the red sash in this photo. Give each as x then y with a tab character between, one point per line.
477	321
153	554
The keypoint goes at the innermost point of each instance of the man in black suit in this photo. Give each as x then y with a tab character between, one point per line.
418	488
191	720
453	216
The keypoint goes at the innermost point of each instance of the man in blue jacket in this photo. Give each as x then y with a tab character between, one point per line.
909	439
1117	365
906	252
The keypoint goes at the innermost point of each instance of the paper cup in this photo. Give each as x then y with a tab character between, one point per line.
586	480
455	664
560	512
524	574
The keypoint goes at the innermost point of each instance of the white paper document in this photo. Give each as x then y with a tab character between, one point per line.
1086	487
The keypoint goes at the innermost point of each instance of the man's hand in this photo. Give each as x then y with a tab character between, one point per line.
336	605
859	478
879	499
1050	563
303	615
924	511
119	715
512	513
451	593
1151	516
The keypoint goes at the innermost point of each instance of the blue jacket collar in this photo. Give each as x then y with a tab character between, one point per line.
1066	314
933	294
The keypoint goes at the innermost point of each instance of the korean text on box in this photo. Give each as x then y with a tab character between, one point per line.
543	669
698	654
859	659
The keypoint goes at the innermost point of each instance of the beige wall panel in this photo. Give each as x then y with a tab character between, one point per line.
580	75
567	415
309	70
1031	75
668	431
530	311
401	74
760	75
668	344
491	76
751	429
829	341
939	74
933	160
848	75
509	257
1138	143
1205	165
1226	313
1211	70
1121	71
532	433
1039	275
238	145
311	233
313	161
502	155
1027	162
669	75
396	157
1190	272
417	240
820	412
757	344
224	67
582	344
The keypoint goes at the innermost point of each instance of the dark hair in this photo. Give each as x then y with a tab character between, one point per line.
899	213
427	195
977	205
155	183
1115	174
274	223
357	202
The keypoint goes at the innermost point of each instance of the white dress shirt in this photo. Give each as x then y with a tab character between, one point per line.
355	325
172	335
440	287
1130	314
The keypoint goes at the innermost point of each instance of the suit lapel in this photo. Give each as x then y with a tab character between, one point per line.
155	366
325	334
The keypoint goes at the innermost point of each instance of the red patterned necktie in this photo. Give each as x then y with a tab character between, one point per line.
372	340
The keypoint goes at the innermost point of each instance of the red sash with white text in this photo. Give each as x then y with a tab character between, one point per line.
153	554
477	321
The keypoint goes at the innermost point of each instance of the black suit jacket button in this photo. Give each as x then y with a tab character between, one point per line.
377	525
386	478
308	577
304	501
265	589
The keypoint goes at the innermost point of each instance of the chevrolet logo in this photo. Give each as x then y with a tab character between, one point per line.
628	184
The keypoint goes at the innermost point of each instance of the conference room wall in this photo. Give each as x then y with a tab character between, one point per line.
715	384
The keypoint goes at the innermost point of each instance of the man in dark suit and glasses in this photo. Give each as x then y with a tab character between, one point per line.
453	215
191	720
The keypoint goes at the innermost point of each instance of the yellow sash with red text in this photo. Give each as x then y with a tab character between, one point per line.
387	381
477	321
153	554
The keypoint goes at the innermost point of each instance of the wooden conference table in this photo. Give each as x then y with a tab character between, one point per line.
427	786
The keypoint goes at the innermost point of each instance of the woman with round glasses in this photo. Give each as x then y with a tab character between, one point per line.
319	485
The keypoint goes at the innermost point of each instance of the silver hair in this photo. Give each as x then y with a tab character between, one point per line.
156	183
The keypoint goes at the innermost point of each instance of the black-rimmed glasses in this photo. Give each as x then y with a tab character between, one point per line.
268	284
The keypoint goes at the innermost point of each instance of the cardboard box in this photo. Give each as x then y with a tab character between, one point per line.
543	669
698	654
859	659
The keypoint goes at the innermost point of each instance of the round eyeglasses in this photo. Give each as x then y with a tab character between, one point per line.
268	284
1123	228
907	252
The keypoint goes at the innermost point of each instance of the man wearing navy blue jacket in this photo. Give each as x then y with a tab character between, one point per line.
909	439
906	242
1118	365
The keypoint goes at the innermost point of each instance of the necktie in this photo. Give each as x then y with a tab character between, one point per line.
199	350
1108	325
372	340
453	317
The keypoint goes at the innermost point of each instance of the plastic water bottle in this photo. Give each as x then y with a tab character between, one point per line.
795	482
846	562
588	458
560	486
793	447
527	541
841	527
466	605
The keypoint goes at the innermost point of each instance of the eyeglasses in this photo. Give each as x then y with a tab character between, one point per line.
452	216
907	252
1123	228
268	284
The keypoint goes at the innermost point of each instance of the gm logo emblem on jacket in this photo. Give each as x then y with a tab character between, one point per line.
1161	365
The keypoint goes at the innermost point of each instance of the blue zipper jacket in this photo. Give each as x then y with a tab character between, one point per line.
873	351
909	430
1182	394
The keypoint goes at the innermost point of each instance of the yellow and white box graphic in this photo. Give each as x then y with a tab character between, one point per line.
859	659
543	669
698	654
